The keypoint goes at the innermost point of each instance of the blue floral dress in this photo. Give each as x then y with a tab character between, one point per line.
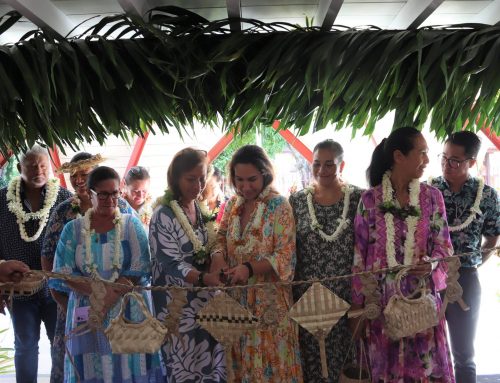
91	352
63	214
195	356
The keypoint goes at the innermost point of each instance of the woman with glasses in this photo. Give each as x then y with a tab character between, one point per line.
78	168
256	240
103	244
400	222
180	236
137	182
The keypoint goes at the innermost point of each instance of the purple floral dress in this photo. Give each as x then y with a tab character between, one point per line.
424	357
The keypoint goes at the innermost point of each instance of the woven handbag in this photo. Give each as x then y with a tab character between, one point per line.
29	285
405	317
128	337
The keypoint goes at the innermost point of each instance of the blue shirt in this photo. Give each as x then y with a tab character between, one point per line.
12	246
458	210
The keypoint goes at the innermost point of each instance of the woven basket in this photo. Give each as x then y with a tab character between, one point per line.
30	284
406	317
128	337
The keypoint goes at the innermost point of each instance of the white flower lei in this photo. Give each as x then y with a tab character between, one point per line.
89	266
236	233
188	229
15	206
145	213
411	221
343	222
474	210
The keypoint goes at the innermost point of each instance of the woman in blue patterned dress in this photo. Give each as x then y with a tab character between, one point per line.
108	245
179	237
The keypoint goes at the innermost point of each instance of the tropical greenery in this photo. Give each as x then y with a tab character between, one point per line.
269	139
176	68
6	358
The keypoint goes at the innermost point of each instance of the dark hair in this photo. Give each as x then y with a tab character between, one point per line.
136	173
101	173
332	145
401	139
468	140
217	174
256	156
183	161
80	157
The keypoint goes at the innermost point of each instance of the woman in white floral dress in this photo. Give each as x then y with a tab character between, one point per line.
179	236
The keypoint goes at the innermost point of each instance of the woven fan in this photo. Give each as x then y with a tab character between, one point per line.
29	285
226	320
318	310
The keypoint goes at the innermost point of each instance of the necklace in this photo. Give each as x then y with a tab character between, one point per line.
411	221
15	206
146	211
474	210
244	241
89	266
201	252
343	222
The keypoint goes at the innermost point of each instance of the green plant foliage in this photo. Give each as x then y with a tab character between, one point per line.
270	140
125	74
6	358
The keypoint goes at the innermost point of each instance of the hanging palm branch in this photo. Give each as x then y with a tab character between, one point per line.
177	68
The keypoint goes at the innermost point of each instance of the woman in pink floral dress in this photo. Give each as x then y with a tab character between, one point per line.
401	221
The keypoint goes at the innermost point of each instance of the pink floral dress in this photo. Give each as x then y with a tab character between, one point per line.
424	357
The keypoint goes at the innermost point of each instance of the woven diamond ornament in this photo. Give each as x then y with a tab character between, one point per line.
318	310
226	320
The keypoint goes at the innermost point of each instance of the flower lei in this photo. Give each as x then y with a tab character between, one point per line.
243	244
201	252
411	221
15	206
474	210
146	211
343	222
75	206
89	266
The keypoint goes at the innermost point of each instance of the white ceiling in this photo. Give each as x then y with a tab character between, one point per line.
62	15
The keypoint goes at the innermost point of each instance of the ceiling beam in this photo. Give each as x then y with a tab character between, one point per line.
44	14
327	12
490	14
136	7
234	12
414	13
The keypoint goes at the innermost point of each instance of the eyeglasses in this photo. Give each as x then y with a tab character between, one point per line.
452	163
105	195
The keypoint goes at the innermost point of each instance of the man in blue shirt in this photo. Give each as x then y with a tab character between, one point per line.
25	206
474	222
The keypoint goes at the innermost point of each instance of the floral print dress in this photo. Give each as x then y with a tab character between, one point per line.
424	357
264	355
194	356
316	259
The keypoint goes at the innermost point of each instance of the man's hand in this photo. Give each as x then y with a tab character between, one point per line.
12	271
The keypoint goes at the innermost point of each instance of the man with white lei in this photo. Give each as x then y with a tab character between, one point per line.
25	207
473	213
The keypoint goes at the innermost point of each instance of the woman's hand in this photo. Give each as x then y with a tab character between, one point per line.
238	275
212	279
421	270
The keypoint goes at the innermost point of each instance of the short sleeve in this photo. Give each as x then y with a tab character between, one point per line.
64	261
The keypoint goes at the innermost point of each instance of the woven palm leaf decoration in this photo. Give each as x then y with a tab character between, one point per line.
226	320
453	289
175	307
29	285
318	310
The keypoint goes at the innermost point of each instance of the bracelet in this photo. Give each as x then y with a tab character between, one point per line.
250	269
200	280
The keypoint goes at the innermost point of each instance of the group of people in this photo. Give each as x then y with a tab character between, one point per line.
329	229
